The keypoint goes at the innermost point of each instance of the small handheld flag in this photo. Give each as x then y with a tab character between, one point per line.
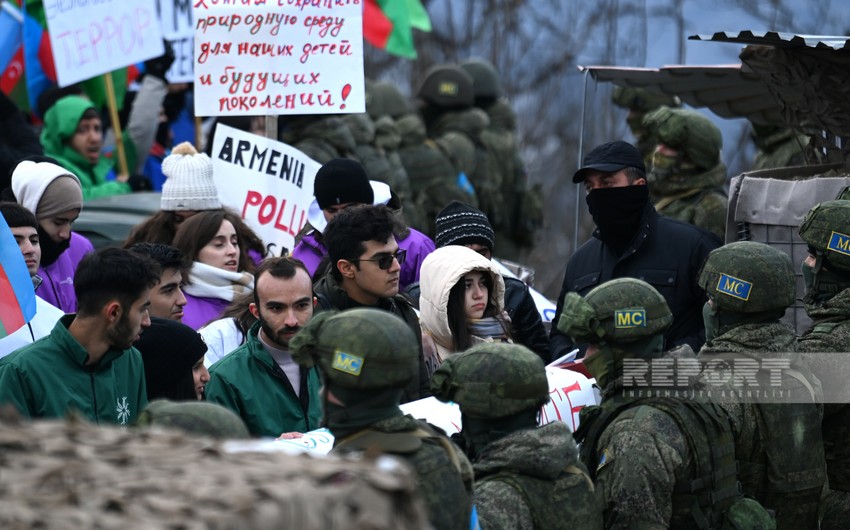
17	296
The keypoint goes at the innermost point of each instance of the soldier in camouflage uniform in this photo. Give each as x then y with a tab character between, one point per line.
321	137
367	357
826	272
640	102
749	286
514	209
196	417
778	147
651	456
525	477
687	177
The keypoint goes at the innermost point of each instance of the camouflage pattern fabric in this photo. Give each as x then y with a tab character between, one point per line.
196	417
830	332
820	227
456	132
640	101
445	479
784	473
776	148
321	138
687	131
433	178
699	200
535	460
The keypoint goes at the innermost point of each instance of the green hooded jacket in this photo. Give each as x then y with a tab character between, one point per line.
49	378
60	124
250	383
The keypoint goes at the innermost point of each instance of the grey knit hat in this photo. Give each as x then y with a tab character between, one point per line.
461	224
190	185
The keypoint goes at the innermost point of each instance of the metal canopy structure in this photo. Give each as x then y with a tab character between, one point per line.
777	39
730	91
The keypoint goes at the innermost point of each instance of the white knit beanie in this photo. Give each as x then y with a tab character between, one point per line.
190	185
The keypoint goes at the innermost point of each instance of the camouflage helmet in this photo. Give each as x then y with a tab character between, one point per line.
642	100
827	228
688	131
447	86
386	100
360	348
620	311
748	277
492	380
196	417
485	78
844	194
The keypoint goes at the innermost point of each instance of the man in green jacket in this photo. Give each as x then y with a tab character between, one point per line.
88	362
259	381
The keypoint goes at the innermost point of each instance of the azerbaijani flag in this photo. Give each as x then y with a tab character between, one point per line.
12	53
389	24
17	296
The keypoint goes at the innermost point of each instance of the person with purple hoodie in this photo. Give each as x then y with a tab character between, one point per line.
56	197
342	183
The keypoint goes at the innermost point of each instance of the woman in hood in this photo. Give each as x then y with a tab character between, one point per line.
173	354
462	303
221	269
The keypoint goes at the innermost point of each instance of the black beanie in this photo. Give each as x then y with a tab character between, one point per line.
340	181
169	350
461	224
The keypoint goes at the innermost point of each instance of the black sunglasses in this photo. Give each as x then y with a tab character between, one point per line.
386	260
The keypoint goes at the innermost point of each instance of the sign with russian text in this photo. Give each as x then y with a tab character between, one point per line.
256	57
269	183
177	21
93	37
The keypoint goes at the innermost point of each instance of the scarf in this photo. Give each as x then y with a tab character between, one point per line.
212	282
487	327
617	213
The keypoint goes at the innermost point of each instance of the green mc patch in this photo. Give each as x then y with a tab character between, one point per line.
345	362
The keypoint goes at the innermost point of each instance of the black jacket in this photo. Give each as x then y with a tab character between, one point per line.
665	253
526	325
331	295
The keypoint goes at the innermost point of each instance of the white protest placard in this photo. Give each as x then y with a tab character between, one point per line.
92	37
254	57
269	183
177	21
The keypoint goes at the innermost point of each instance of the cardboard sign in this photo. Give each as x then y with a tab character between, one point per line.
177	21
254	57
269	183
98	36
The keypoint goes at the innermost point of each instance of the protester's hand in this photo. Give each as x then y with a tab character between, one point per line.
290	436
158	66
122	178
140	183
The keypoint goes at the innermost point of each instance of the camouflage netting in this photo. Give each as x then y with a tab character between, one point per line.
72	475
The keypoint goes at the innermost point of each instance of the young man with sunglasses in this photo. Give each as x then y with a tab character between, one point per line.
365	263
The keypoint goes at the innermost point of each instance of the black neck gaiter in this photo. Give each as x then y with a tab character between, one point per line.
617	213
50	250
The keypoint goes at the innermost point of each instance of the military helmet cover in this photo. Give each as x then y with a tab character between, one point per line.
195	417
642	100
485	78
620	311
360	348
688	131
748	277
827	228
447	86
492	380
386	100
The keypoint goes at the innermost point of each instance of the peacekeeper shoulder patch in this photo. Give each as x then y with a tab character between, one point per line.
345	362
734	287
839	243
630	318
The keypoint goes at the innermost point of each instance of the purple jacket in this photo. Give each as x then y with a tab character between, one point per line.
417	244
57	289
201	310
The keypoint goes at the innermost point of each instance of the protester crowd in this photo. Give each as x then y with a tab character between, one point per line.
391	295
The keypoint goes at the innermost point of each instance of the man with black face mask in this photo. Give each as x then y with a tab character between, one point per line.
633	240
259	380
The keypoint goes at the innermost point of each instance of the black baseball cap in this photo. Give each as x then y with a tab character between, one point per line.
609	158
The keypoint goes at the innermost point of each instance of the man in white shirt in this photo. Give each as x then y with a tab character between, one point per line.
24	227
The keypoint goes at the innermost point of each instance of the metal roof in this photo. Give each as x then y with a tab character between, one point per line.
729	91
778	39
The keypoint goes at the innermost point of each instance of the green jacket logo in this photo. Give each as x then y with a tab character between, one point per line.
839	243
734	287
122	409
630	318
345	362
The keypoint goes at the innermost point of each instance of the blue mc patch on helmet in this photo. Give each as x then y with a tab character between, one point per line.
839	243
734	287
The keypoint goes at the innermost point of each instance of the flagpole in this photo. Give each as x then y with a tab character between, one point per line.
199	134
116	124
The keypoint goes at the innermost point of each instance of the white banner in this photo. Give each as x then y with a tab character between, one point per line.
259	58
92	37
178	26
269	183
